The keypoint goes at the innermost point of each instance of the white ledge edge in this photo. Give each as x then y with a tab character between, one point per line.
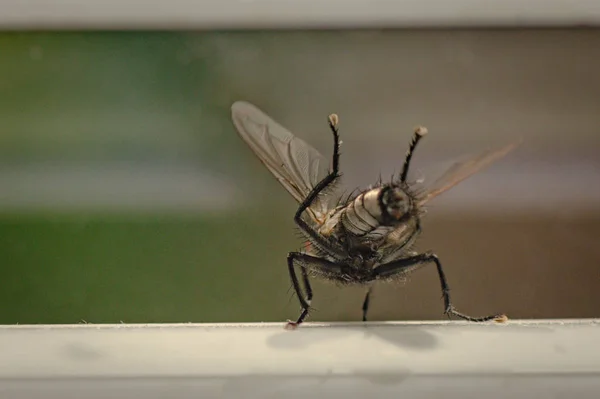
311	324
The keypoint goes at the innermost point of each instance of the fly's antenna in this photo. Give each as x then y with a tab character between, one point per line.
420	131
334	120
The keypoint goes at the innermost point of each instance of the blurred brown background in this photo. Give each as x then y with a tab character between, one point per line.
126	194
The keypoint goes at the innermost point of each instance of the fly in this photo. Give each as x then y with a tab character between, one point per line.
364	238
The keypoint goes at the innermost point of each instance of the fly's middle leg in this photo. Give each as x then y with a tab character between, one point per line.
306	263
401	266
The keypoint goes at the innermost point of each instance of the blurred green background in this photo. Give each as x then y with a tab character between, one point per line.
125	194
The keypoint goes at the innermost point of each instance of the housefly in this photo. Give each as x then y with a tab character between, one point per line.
365	238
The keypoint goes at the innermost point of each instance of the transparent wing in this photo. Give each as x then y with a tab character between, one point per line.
464	169
295	164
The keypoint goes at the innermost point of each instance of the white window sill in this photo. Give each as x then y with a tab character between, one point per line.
519	359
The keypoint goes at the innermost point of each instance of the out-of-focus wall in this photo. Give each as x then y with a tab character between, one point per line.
126	195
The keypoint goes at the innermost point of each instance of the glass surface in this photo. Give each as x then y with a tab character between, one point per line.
126	195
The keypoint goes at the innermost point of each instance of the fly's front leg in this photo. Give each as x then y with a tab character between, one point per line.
306	262
401	266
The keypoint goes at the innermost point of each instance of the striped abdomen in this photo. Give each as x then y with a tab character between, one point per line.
377	208
363	215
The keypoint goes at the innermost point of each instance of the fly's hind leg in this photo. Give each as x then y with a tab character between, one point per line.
401	266
306	263
365	306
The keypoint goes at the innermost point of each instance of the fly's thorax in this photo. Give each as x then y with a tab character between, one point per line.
379	207
399	240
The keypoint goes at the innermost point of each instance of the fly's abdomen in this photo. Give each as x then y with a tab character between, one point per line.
363	215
